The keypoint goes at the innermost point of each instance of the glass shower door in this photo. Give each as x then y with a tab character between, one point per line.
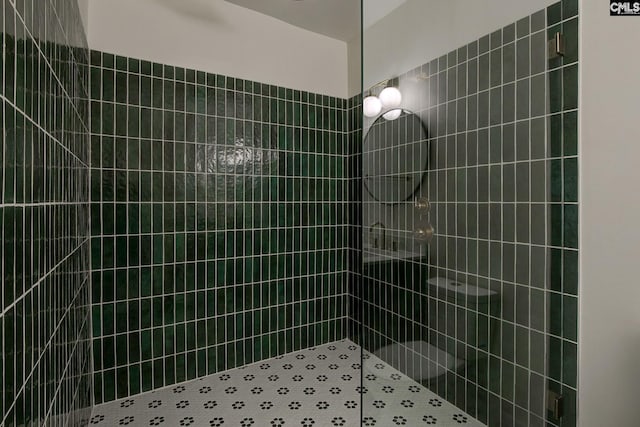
468	289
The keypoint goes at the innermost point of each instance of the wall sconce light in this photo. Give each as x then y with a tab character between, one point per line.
371	106
389	99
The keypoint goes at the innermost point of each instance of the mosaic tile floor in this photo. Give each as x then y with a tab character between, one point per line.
316	387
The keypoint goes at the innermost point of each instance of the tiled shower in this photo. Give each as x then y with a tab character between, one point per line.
187	248
218	202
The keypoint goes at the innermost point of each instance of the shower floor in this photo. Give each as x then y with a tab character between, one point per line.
315	387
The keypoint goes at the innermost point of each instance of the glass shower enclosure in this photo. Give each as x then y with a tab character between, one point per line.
467	289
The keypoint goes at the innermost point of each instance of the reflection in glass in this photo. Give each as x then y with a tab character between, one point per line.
395	155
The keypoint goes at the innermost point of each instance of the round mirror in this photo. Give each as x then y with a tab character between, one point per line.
395	155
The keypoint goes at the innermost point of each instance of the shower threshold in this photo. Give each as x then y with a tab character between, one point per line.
314	387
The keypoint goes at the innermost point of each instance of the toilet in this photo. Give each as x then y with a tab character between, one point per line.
425	362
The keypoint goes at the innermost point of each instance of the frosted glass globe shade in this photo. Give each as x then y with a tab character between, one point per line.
392	114
390	97
371	106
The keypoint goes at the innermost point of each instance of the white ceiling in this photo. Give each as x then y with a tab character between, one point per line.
338	19
375	10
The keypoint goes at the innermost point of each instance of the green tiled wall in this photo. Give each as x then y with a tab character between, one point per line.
502	180
218	223
44	215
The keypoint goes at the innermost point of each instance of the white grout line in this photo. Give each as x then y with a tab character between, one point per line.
44	277
48	345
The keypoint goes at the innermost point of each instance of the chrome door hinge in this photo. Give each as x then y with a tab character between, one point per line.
556	46
555	405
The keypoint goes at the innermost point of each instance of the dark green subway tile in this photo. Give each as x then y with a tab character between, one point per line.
555	269
570	318
556	91
570	273
554	14
108	85
556	183
571	226
570	170
555	135
571	37
555	224
569	8
538	21
570	133
569	363
570	87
